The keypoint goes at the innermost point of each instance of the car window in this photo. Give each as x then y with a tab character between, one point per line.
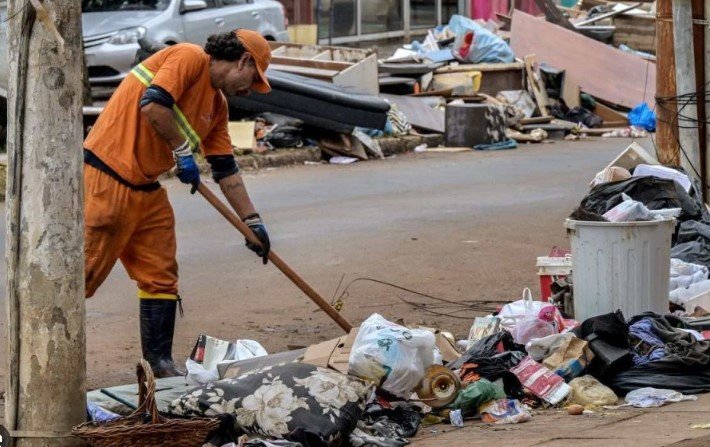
123	5
235	2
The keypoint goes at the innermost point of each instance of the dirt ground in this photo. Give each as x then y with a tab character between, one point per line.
464	226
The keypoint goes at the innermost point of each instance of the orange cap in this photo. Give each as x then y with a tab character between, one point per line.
260	51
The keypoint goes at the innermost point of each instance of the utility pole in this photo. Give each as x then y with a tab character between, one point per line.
46	362
667	129
688	132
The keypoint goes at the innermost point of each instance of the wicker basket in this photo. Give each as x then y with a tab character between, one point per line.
145	427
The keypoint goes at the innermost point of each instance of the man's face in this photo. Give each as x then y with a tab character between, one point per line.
234	78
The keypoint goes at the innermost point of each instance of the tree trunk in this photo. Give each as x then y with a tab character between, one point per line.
46	392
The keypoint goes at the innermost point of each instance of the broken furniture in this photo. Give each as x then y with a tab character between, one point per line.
348	67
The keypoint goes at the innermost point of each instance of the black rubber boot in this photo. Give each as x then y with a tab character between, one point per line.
157	321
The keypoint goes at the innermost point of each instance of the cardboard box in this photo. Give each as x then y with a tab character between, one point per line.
334	354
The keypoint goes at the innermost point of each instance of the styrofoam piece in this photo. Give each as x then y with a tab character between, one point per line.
633	156
620	265
644	170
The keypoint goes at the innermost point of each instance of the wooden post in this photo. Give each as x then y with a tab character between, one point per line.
685	84
46	362
698	8
667	128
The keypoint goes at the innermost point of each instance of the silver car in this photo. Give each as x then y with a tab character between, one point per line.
118	32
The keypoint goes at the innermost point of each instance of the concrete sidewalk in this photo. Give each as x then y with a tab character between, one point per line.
632	427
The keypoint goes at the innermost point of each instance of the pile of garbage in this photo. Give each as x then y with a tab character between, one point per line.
479	84
382	382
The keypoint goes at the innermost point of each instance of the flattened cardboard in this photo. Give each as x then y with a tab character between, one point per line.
334	354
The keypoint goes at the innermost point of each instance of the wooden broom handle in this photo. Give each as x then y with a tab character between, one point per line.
274	258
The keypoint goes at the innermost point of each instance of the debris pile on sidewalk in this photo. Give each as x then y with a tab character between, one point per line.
485	85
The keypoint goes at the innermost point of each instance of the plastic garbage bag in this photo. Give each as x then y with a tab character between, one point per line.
643	116
540	348
210	352
387	353
654	397
682	295
531	328
589	392
684	274
505	411
519	310
628	211
476	44
476	394
656	193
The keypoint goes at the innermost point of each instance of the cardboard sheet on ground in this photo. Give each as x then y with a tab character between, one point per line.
242	134
601	70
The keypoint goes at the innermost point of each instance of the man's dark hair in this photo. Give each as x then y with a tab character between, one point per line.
225	46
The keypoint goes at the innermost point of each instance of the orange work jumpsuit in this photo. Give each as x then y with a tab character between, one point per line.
127	214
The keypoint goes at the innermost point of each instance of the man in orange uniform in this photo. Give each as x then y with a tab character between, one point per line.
169	106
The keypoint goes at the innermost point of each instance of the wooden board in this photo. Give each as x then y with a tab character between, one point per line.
242	134
570	93
536	85
598	69
611	117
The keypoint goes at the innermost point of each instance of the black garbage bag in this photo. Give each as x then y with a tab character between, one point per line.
488	347
584	116
694	231
285	137
656	193
399	422
610	328
694	252
660	374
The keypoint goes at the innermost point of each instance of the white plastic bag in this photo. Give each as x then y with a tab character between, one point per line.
531	328
516	311
654	397
202	373
628	211
684	274
385	351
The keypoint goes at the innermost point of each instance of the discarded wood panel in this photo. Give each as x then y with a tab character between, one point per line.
611	117
636	31
242	134
536	120
468	125
348	67
599	69
419	113
570	94
536	85
495	77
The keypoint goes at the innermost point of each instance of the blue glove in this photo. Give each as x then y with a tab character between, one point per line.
254	222
185	167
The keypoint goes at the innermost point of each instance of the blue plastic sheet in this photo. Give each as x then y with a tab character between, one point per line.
486	47
643	116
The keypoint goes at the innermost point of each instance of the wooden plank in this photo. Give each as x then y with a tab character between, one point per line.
600	70
310	63
607	15
608	114
481	67
570	93
538	90
305	71
536	120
